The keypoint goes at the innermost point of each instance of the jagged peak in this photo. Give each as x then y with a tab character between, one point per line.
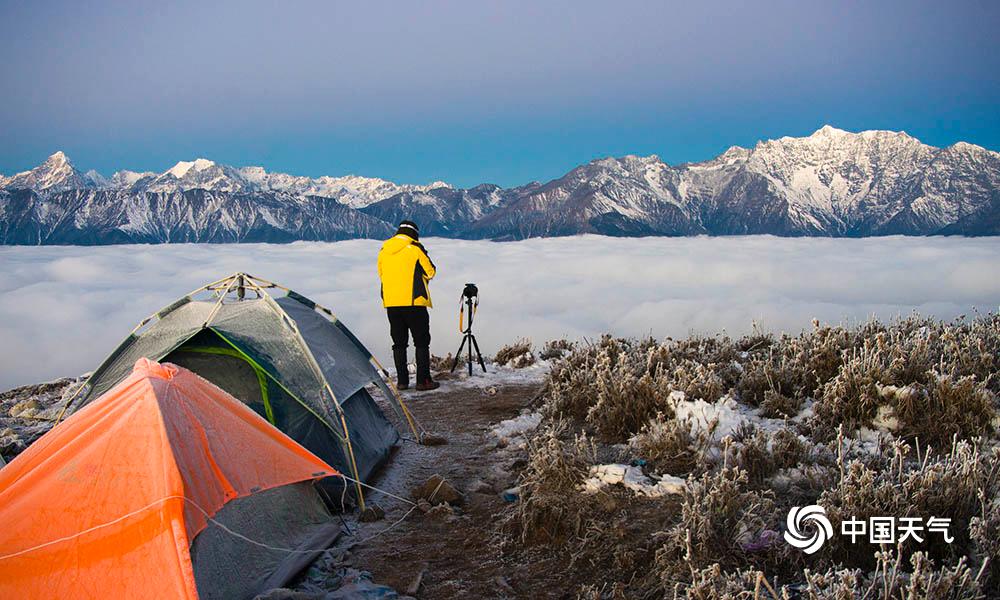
828	131
183	167
57	157
967	148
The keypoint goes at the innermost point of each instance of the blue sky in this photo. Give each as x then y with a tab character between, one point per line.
470	92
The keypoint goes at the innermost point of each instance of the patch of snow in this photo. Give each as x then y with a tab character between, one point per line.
516	427
806	412
719	418
631	478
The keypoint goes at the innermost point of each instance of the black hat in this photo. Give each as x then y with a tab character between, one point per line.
409	228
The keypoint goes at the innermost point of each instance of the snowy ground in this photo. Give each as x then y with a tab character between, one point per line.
62	309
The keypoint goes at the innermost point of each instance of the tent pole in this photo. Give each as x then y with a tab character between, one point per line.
218	305
319	374
410	419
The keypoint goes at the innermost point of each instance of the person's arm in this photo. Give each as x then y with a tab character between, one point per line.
425	261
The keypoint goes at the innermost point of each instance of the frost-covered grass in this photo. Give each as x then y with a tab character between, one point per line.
880	419
63	309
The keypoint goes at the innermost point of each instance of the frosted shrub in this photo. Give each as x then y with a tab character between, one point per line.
984	530
851	398
719	515
441	363
943	485
611	386
698	381
517	355
668	445
946	408
556	349
550	505
931	388
760	454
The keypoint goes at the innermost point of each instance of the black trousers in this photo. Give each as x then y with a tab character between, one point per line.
406	320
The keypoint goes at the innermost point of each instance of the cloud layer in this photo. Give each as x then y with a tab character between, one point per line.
62	309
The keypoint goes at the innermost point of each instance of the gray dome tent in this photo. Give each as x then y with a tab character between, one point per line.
288	358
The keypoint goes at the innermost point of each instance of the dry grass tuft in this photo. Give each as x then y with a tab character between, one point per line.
556	349
550	506
517	355
719	517
669	446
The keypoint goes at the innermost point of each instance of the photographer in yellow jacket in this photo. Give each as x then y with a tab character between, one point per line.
405	270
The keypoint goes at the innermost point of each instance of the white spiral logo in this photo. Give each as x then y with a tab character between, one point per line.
795	534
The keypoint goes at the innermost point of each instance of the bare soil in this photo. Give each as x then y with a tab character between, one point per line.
457	552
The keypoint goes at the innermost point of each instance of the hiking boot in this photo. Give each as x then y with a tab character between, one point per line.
428	385
423	360
402	370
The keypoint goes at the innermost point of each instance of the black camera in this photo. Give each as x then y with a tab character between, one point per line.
469	300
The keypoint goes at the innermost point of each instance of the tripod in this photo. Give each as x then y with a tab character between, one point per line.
469	298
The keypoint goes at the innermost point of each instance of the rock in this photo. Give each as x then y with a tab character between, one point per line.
424	506
414	586
371	513
10	442
430	439
438	491
25	409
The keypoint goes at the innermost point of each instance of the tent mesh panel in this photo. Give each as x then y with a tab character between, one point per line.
153	343
290	516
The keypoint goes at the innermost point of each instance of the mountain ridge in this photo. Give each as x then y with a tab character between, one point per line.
830	183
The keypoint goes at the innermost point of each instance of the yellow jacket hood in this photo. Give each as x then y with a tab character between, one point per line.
405	270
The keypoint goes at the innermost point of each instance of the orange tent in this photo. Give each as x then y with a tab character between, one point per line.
116	501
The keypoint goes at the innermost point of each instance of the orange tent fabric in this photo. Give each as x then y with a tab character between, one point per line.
106	505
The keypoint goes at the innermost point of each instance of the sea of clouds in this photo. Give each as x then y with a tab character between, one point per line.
63	309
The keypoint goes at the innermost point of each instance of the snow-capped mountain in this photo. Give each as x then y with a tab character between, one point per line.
90	217
831	183
445	212
204	174
352	190
56	174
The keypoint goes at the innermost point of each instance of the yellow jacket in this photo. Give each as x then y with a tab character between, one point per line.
405	270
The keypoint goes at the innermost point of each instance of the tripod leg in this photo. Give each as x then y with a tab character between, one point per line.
472	338
478	355
454	362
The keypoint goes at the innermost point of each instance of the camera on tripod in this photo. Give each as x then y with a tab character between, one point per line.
469	299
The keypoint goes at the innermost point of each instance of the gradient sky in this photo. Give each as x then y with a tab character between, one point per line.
470	92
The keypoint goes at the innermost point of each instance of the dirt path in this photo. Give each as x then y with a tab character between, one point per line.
458	552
